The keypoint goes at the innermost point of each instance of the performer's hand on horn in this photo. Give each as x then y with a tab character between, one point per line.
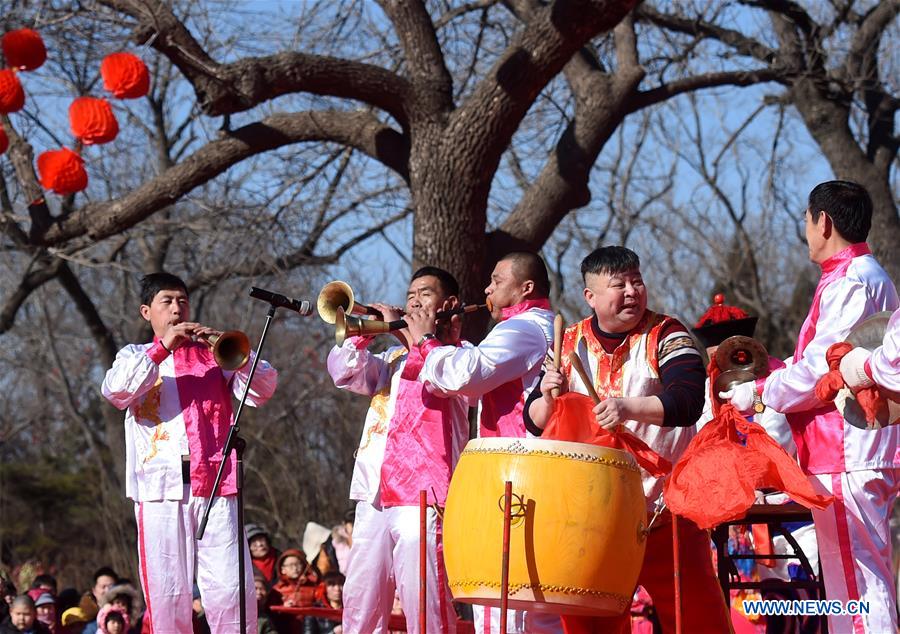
421	323
393	313
177	334
610	413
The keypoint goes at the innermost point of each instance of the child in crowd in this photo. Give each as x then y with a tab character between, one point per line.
22	618
297	580
330	596
113	619
45	610
264	619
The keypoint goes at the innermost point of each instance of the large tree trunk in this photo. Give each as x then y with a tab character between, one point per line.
827	121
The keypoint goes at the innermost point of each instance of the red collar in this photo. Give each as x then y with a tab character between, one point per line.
853	251
521	307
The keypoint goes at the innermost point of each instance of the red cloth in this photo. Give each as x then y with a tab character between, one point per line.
869	398
716	476
573	419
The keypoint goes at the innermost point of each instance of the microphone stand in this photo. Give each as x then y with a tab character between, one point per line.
234	441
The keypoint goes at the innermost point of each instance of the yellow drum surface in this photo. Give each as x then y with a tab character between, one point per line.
577	545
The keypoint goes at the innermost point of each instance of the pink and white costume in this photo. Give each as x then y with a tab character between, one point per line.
859	467
501	371
179	404
411	441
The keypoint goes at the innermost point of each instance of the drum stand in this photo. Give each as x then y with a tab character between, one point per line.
234	441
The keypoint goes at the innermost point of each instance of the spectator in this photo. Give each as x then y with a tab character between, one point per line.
45	608
123	596
22	618
45	582
67	598
263	555
264	619
113	619
104	578
198	619
73	621
331	597
8	593
332	555
297	582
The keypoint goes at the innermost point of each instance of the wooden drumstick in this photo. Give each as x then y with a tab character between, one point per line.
558	327
575	360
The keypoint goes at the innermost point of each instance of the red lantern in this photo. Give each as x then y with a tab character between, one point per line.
4	140
125	75
12	97
24	49
62	171
92	121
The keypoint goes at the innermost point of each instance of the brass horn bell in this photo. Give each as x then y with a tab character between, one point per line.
740	359
336	295
231	349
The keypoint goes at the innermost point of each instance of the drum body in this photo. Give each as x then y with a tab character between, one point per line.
577	538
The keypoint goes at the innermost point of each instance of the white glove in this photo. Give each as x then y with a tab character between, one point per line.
742	396
853	369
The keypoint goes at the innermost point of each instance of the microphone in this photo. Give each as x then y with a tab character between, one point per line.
280	301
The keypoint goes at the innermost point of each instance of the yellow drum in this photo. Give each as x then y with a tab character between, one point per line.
577	541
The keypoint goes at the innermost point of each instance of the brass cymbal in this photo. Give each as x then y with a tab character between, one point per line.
870	333
730	378
742	353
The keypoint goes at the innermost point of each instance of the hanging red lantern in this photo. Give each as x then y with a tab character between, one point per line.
62	171
4	140
125	75
24	49
12	97
92	120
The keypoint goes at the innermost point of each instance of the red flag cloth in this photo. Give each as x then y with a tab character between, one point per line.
573	419
715	478
827	388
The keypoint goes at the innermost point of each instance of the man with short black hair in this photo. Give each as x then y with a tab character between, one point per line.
861	468
650	377
178	410
499	372
411	440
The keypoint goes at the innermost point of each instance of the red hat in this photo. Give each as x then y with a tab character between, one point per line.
721	321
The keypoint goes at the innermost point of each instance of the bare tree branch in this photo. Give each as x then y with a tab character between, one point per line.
432	86
361	130
235	87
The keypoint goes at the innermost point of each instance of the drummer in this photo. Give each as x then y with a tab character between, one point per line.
650	377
